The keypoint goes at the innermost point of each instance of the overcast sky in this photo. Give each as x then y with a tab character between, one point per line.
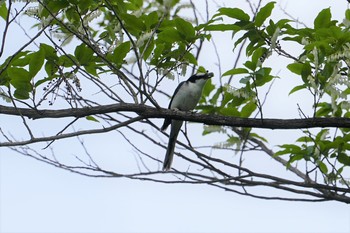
35	197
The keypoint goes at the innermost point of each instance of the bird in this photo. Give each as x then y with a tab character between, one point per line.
185	98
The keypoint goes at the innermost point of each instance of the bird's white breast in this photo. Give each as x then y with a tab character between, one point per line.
188	95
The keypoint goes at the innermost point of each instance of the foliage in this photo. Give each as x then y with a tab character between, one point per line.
322	66
78	43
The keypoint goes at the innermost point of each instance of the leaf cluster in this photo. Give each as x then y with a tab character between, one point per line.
322	67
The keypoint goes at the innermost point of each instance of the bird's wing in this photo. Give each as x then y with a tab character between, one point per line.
175	92
167	121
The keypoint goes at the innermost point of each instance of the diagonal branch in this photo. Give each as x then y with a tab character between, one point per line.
70	135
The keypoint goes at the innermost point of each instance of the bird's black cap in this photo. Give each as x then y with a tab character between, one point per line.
197	76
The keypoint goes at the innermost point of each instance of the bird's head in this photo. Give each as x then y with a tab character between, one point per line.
200	76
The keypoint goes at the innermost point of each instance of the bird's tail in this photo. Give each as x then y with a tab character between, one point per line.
175	129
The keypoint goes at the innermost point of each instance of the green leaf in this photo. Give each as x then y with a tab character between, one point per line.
201	69
250	65
120	53
208	109
67	60
185	29
222	27
304	139
258	54
324	109
254	135
190	58
297	88
289	149
295	157
91	69
296	68
230	111
322	134
151	19
214	99
236	71
20	79
248	109
160	47
208	129
21	60
306	71
347	14
246	80
4	79
3	10
41	81
91	118
50	52
52	7
344	159
147	52
133	24
264	13
83	54
208	88
235	13
263	76
21	94
283	23
169	35
72	15
323	167
227	96
323	19
51	68
86	4
36	62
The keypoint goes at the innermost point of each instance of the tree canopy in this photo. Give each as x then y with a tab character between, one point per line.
91	67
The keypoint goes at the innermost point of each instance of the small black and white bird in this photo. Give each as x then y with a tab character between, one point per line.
185	98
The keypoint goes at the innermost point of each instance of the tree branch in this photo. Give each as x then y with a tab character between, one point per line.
69	135
151	112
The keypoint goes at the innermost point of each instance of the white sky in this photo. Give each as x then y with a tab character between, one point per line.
35	197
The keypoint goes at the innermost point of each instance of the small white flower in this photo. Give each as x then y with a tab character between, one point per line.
303	58
170	75
31	11
313	84
345	105
213	128
240	93
346	22
304	41
183	68
93	15
229	88
143	38
315	53
137	13
45	21
131	60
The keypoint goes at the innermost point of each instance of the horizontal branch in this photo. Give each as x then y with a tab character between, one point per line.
151	112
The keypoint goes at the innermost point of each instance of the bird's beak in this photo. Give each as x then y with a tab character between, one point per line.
209	75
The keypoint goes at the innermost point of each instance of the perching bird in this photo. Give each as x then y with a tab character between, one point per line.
185	98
